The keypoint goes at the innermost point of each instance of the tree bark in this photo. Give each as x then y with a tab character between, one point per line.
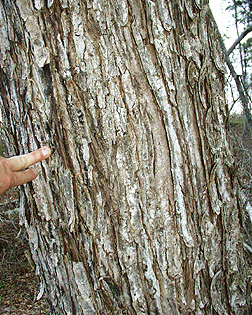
136	211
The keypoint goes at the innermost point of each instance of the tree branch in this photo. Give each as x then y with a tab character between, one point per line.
239	39
243	97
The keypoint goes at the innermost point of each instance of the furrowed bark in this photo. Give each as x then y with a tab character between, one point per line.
136	210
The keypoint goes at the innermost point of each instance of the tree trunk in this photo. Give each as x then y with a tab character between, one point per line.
136	211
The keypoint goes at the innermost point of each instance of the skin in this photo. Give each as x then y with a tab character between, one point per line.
14	171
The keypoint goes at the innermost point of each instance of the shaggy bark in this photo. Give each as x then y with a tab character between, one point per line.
136	210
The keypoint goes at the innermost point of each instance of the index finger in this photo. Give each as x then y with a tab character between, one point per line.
21	162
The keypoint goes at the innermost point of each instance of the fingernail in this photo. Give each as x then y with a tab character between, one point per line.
35	171
46	151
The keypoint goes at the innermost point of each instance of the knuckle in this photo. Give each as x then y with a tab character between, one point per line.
22	162
13	180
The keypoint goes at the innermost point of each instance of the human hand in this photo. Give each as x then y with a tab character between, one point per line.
14	172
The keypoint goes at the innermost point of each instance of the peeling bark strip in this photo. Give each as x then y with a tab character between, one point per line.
135	212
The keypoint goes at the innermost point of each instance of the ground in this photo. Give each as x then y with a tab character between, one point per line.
19	286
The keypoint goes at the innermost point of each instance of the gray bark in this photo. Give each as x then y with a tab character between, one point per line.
136	210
